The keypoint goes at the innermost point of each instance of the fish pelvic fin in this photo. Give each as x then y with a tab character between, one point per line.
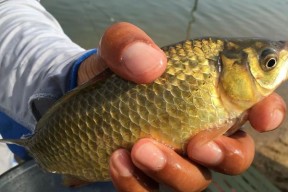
73	182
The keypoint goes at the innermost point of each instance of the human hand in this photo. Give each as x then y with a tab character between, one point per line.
130	53
230	155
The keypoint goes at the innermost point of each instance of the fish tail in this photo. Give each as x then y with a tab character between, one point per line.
21	142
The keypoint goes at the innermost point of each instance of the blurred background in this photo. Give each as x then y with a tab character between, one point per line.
170	21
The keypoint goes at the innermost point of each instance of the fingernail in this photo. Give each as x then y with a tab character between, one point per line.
148	156
121	163
277	118
208	154
140	58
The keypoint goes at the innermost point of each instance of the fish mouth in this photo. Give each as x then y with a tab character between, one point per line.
285	58
286	68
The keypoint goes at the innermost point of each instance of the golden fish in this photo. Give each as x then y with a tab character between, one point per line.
209	83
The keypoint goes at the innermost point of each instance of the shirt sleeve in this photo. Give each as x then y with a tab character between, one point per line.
36	60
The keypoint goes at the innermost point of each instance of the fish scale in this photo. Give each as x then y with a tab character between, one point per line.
200	90
162	112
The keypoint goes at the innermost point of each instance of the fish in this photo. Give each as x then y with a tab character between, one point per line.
209	84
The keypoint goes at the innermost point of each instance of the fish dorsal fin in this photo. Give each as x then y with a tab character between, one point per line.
22	142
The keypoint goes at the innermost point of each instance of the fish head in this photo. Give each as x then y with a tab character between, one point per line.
268	64
252	69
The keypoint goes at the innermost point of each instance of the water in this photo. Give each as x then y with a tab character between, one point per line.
167	21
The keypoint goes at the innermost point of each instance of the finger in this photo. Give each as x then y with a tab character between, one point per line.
125	176
230	155
131	53
268	114
166	166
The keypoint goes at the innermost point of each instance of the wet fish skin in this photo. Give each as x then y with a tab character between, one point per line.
208	84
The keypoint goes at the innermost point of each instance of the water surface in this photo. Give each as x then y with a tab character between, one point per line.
166	21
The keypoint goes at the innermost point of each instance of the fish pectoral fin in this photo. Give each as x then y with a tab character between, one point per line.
73	182
240	121
205	136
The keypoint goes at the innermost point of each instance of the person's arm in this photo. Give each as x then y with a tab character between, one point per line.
36	60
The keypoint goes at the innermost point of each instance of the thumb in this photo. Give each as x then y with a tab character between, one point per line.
129	52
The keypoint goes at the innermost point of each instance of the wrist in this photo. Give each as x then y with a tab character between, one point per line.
89	68
80	70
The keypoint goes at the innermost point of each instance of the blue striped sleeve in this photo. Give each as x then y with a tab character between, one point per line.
75	67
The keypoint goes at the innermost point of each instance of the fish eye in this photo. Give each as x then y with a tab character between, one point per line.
271	62
268	59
